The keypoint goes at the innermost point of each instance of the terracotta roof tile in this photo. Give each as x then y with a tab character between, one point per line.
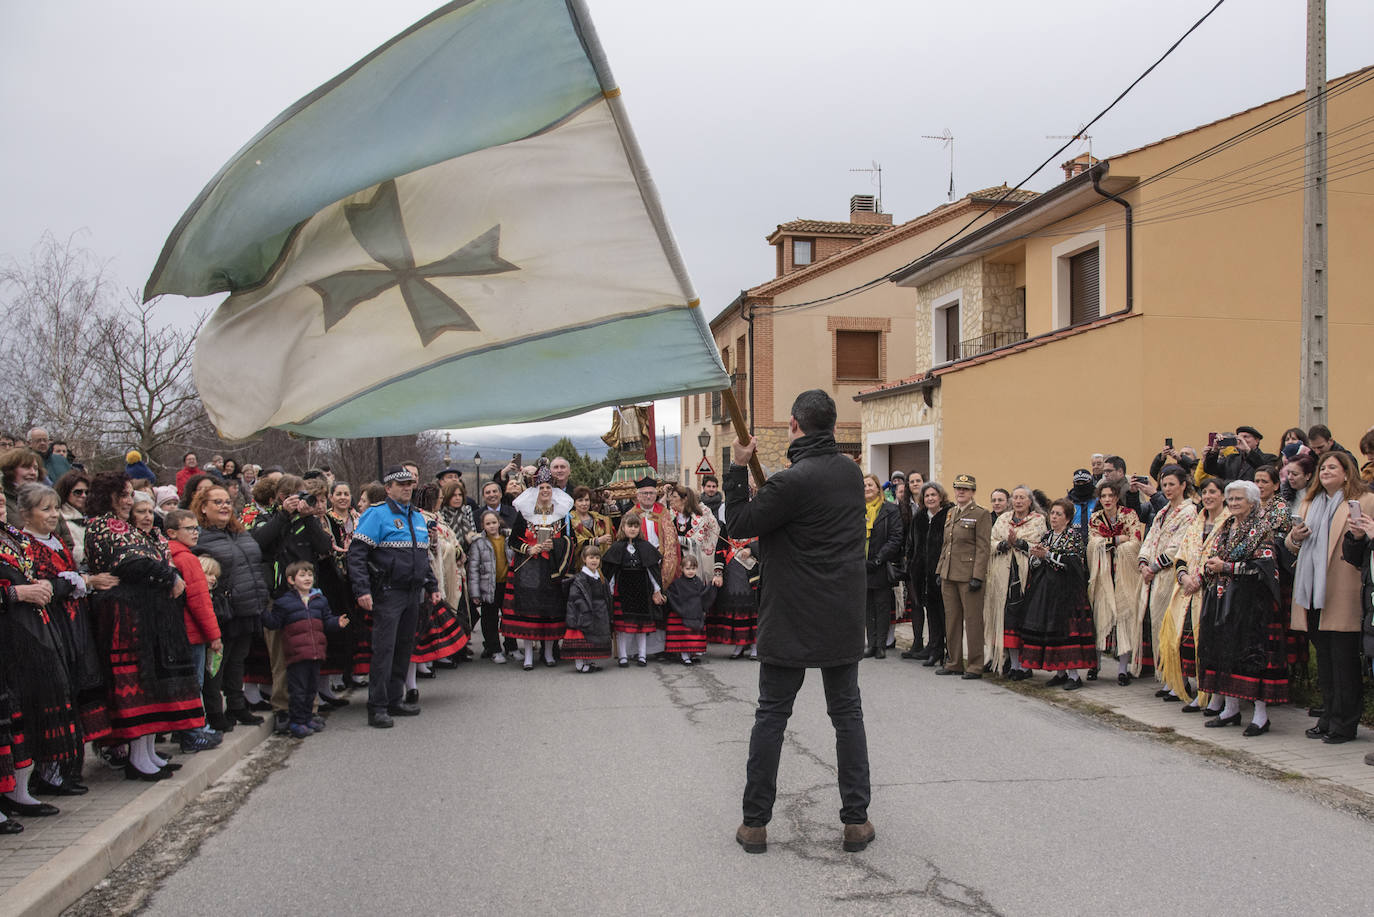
1019	196
848	229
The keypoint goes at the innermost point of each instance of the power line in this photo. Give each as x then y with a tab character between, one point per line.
870	284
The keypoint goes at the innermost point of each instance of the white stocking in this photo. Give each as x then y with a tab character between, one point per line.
527	647
324	687
252	693
1232	706
891	633
1123	663
141	755
411	684
1261	713
643	644
20	793
548	650
1015	658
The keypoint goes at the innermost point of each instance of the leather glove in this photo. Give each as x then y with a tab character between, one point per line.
974	585
938	581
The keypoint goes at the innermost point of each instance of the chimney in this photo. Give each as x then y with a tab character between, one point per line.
867	210
1078	165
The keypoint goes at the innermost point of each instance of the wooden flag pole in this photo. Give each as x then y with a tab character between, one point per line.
741	431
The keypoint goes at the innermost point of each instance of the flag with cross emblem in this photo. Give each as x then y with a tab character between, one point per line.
457	230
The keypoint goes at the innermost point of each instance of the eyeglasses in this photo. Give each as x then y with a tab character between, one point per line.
185	528
79	491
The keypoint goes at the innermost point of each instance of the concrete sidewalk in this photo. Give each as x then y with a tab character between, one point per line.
59	858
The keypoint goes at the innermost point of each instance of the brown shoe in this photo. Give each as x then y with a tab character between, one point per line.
857	837
753	840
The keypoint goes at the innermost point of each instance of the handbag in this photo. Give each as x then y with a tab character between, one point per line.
894	572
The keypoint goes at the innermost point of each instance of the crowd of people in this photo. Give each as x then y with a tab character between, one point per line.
135	611
1213	573
141	618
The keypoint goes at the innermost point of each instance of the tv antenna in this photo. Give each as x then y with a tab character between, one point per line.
875	170
1087	138
948	140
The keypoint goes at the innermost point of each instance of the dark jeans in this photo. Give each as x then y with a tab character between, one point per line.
1340	680
935	623
778	687
231	670
490	614
395	613
301	681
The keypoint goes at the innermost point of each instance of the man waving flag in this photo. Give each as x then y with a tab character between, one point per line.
458	230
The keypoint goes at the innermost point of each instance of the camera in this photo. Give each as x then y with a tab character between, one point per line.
308	498
1227	439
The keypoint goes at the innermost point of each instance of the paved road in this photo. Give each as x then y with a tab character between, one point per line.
618	793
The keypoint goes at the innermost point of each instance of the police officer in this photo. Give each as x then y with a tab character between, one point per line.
963	567
388	565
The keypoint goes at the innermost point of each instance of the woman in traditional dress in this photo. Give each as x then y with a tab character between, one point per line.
1012	536
68	615
1056	632
1115	533
1241	650
587	525
1178	644
18	593
734	620
342	517
1326	592
697	533
535	611
152	680
1157	555
926	542
442	630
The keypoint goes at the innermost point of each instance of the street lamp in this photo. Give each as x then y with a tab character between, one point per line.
704	438
477	464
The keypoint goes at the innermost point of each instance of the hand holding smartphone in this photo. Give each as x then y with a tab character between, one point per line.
1354	509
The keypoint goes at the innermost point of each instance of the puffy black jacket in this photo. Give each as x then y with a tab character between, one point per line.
884	544
240	562
926	541
809	520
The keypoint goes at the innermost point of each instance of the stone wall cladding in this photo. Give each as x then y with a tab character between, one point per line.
899	411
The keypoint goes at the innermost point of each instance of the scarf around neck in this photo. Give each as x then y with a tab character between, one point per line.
871	508
1309	582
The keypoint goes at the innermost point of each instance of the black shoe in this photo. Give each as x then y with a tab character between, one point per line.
1209	712
1092	674
624	663
914	653
379	719
1316	732
1232	720
450	662
281	722
422	674
1124	679
244	717
1191	708
1018	675
1171	698
1253	730
930	663
40	787
869	653
222	724
333	703
880	653
987	668
261	705
412	696
29	809
1162	692
528	667
10	826
641	662
1332	738
404	709
550	663
133	773
972	676
1058	679
1074	684
944	670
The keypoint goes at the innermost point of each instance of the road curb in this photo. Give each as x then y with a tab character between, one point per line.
57	884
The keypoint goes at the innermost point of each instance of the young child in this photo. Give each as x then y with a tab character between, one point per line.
734	621
633	567
588	635
488	562
202	627
689	598
302	615
212	695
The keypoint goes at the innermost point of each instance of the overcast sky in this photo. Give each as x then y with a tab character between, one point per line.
750	112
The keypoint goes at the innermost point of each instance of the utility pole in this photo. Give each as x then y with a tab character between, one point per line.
1312	385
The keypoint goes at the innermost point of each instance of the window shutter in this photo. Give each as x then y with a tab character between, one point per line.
1084	295
856	354
953	329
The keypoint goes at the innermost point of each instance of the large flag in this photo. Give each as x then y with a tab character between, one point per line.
457	230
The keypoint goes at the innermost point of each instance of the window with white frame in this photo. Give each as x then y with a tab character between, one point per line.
945	328
801	251
1079	278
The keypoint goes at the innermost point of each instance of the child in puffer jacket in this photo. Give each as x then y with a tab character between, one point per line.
302	615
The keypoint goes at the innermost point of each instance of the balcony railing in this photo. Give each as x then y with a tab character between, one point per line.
990	341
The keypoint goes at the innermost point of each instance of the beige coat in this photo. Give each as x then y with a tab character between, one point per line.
964	555
1342	611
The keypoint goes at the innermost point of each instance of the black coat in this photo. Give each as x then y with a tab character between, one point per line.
1239	466
809	520
1358	551
926	540
240	561
884	544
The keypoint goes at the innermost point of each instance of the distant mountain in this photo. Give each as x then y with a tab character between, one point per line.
531	447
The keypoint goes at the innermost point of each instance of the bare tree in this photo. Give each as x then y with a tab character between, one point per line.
148	368
54	309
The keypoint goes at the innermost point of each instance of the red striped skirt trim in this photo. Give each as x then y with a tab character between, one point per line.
444	637
576	646
681	640
524	627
